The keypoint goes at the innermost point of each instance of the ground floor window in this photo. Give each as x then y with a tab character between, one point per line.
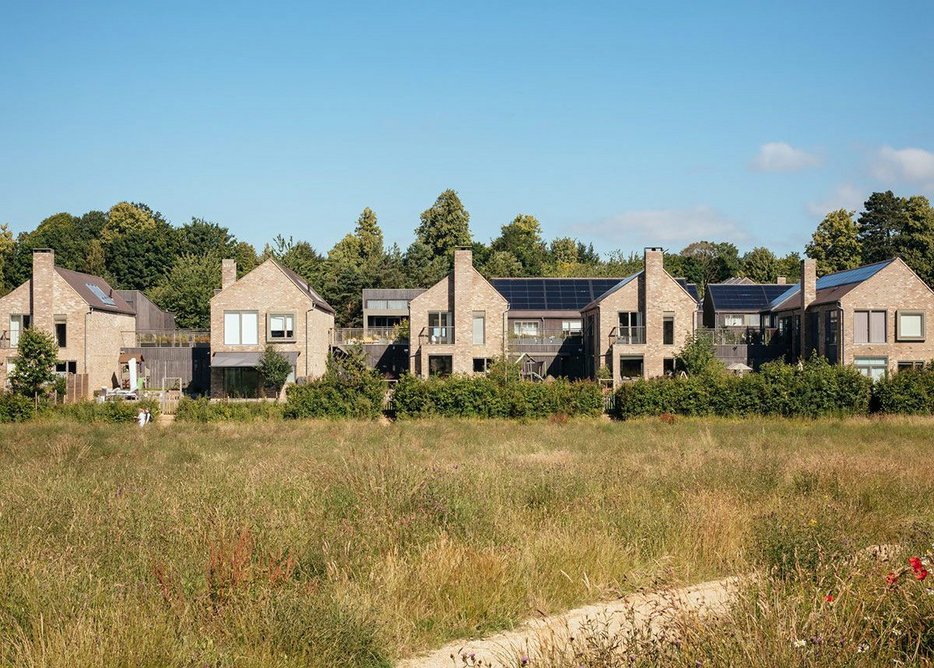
440	365
241	382
908	365
630	368
66	367
872	367
481	364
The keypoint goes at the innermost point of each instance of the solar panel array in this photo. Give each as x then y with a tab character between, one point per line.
690	287
849	276
552	294
744	297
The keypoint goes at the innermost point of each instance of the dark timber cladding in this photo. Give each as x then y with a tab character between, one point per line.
552	294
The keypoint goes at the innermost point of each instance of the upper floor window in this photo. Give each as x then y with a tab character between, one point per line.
479	328
281	327
909	326
241	328
571	327
61	331
733	320
668	329
631	327
387	304
18	324
522	328
440	327
869	327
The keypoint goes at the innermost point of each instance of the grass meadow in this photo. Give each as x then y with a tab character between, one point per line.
356	544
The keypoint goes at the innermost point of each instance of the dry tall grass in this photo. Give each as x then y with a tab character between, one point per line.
288	544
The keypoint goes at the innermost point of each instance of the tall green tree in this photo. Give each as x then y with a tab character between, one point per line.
61	233
503	264
522	238
369	236
760	265
139	257
186	290
299	256
445	225
36	355
789	266
710	262
124	218
201	237
914	242
881	220
835	243
7	244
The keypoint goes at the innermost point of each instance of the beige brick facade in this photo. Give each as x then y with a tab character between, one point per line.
893	289
463	294
93	337
269	290
655	295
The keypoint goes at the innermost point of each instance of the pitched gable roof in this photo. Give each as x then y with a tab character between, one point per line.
832	286
551	294
96	292
303	285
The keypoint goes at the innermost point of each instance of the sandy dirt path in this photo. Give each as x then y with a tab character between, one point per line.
649	610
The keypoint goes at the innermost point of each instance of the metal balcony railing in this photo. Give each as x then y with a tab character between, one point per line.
555	337
437	335
167	338
628	335
371	336
738	336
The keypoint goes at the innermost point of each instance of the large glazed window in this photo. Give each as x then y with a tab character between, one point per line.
241	328
869	327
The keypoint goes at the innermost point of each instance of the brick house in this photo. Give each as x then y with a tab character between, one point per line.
873	317
458	325
271	305
87	317
638	327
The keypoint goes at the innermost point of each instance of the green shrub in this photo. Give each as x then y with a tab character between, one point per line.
490	397
107	412
205	410
15	407
813	389
348	389
909	392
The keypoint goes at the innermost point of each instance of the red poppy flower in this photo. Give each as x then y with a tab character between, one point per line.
829	598
915	563
921	573
891	579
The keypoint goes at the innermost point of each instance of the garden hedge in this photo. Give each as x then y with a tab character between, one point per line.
813	389
114	412
909	392
15	407
464	396
204	410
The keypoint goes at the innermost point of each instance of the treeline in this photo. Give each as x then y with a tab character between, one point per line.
135	247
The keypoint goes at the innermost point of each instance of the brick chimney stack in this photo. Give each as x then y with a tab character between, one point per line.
808	295
228	273
43	278
781	280
463	294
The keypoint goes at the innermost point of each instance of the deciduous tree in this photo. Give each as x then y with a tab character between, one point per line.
835	243
445	225
760	265
36	355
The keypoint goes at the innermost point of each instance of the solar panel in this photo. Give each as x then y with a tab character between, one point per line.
100	294
563	294
744	297
850	276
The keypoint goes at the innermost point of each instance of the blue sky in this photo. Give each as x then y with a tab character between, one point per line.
625	124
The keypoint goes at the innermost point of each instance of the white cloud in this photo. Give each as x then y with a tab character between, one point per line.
845	196
914	165
781	157
653	227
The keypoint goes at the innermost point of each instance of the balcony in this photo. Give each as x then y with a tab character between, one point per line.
437	335
555	337
628	336
167	338
371	336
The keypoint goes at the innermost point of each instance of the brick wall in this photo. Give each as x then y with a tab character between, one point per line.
267	290
463	292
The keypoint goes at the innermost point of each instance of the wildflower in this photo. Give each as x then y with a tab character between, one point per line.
800	643
891	579
863	647
524	661
829	598
915	563
921	573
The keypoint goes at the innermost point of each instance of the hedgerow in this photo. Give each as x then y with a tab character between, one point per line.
909	392
486	397
813	389
204	410
106	412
